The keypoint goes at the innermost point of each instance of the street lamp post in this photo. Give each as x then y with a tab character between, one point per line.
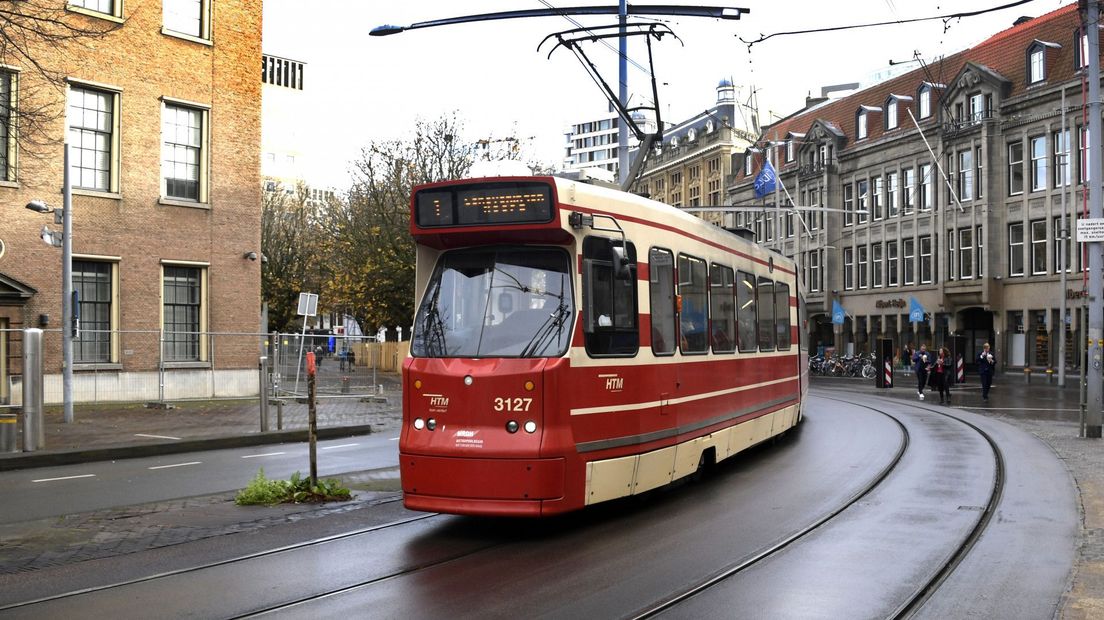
65	240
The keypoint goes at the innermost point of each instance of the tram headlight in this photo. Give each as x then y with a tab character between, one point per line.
530	427
419	424
512	426
467	379
431	424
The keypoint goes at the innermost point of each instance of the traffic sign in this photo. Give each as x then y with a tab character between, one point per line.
1090	229
308	304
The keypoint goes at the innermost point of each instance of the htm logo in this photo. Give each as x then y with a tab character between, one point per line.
436	400
615	384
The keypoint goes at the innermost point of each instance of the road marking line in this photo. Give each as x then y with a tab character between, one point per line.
64	478
156	436
344	445
393	439
253	456
176	465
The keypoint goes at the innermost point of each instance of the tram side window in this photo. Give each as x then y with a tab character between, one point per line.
609	297
782	315
764	299
722	309
745	312
693	315
661	281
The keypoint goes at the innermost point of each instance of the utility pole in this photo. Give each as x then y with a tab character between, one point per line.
622	93
1094	378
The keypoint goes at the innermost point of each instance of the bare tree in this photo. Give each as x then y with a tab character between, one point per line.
295	249
45	37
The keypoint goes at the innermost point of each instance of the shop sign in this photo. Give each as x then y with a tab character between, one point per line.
889	303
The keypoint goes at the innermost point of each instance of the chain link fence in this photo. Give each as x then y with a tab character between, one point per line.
347	366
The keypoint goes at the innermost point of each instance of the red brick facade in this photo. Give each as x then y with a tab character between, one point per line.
134	227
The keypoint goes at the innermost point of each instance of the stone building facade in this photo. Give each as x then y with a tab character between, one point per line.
951	185
162	114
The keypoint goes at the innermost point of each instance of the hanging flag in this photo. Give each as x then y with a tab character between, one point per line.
916	311
838	314
765	181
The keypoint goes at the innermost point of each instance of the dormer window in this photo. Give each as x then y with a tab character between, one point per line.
924	97
709	126
891	114
1080	50
860	124
691	135
674	143
1036	60
747	163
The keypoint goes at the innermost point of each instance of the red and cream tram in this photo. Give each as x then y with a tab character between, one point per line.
574	344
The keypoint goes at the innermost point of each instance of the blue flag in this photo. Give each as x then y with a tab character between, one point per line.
838	314
764	182
916	311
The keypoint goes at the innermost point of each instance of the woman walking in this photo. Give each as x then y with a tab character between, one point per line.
941	372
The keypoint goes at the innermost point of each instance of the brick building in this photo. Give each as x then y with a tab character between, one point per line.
163	118
980	248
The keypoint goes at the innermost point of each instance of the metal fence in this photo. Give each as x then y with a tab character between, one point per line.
346	365
140	366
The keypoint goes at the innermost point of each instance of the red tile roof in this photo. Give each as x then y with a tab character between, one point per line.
1004	53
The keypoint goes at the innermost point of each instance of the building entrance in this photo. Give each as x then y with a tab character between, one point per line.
975	328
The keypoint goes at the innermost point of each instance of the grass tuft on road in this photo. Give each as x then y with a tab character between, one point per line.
298	490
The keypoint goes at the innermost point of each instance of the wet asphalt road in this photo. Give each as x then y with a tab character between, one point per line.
618	559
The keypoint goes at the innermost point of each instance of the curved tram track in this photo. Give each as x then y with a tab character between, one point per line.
790	561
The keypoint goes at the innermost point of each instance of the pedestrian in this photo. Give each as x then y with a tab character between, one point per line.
318	356
941	373
342	356
907	357
986	363
922	365
352	360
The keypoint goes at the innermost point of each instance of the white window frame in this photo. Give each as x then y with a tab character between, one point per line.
891	113
908	253
1038	247
927	272
1015	168
168	105
924	101
77	133
1036	64
204	305
1016	250
863	262
877	262
861	129
965	253
893	275
1038	162
892	205
173	17
848	269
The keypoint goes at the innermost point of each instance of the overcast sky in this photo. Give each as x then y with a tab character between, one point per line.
360	88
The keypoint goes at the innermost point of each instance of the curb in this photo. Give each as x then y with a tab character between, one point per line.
29	460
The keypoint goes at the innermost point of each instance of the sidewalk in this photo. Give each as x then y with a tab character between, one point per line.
113	431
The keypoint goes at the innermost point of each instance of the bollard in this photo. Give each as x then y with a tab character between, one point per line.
9	425
263	382
1050	374
344	385
379	389
34	430
279	415
1027	376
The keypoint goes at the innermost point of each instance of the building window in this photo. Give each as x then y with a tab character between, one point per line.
1038	247
863	204
182	152
924	97
909	194
7	133
978	111
93	282
860	124
891	264
813	279
790	149
1061	242
92	138
183	312
1038	163
876	198
965	253
1036	63
1061	162
979	178
891	194
926	263
1015	249
927	188
966	175
877	265
107	7
891	113
189	17
1080	49
747	163
848	268
848	205
952	262
864	266
909	251
1015	168
289	74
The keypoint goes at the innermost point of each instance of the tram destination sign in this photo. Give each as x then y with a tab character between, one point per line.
483	204
1090	229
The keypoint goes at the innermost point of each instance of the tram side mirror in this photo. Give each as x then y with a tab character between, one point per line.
620	263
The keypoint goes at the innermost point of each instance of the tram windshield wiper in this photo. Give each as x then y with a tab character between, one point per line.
551	331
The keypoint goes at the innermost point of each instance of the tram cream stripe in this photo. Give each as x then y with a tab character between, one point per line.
676	401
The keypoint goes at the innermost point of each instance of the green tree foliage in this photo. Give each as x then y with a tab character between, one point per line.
295	244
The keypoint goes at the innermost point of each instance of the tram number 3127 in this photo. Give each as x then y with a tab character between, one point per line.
512	404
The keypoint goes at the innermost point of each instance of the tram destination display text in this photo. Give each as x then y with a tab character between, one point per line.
482	204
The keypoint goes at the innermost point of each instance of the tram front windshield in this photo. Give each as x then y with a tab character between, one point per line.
496	302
